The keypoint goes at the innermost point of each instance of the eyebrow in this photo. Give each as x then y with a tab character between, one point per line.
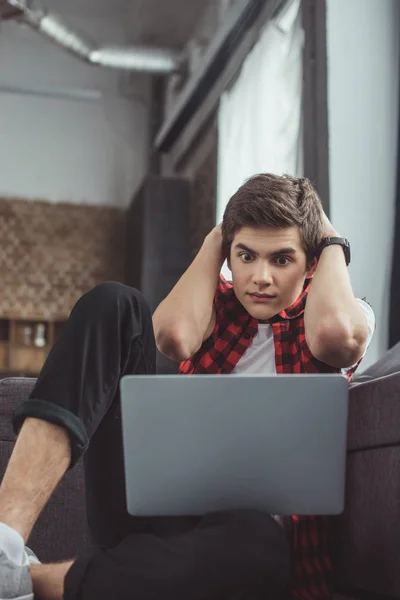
274	254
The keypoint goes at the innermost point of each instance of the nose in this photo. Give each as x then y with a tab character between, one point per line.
262	274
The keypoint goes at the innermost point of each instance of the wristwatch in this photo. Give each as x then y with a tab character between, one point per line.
328	241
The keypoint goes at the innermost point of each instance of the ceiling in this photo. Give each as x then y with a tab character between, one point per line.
166	23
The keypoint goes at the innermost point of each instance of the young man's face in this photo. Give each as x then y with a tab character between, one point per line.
268	269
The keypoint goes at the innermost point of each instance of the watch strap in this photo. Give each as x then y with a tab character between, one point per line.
329	241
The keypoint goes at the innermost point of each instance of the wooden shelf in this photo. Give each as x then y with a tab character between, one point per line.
3	356
18	352
25	347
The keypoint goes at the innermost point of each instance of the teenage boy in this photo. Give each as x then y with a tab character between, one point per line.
289	309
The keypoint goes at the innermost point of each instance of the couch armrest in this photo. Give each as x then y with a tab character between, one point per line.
374	413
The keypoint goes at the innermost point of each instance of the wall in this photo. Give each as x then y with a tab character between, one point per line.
51	254
62	149
363	103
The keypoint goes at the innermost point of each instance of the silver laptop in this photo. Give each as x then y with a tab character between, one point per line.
200	443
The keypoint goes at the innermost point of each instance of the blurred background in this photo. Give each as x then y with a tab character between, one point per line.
125	126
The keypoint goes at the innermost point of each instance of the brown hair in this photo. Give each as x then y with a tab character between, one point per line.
275	201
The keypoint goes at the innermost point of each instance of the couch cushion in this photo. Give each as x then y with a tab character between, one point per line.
367	535
13	391
374	413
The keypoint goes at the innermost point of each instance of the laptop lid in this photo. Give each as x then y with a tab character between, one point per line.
203	443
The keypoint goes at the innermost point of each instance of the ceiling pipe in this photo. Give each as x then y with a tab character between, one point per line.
8	12
155	61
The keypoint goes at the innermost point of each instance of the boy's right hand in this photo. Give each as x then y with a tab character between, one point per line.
215	238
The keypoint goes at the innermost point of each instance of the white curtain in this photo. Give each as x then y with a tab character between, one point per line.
259	119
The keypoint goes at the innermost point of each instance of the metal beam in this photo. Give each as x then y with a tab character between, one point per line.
215	61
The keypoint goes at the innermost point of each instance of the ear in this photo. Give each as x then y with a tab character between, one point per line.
312	268
227	254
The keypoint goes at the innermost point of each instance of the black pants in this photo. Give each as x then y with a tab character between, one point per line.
235	554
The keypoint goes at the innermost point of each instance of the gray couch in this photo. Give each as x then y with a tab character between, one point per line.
366	536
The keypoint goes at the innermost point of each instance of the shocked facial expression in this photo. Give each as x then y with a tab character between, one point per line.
268	269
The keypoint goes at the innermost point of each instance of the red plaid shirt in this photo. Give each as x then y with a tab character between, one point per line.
233	333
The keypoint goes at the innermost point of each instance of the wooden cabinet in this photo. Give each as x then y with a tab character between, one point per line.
25	343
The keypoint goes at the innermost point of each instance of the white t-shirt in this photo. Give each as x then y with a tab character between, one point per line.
259	358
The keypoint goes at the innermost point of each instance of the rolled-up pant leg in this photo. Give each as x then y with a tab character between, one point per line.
241	555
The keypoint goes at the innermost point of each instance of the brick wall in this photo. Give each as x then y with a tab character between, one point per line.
50	254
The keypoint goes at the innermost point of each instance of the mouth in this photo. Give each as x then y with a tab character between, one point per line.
260	298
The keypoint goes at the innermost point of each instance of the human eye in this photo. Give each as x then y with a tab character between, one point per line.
287	260
246	257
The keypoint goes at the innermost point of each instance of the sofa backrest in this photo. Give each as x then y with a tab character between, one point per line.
388	364
61	531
